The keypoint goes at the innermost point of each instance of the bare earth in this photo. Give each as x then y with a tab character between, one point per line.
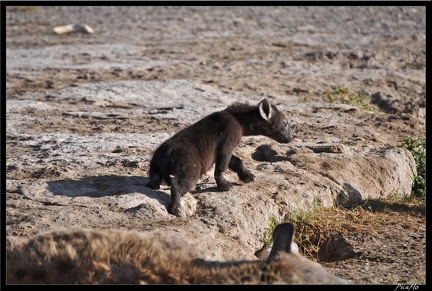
86	111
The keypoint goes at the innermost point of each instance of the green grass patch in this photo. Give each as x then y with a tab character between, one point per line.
268	233
341	95
417	147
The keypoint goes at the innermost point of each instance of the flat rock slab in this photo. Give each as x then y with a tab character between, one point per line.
96	171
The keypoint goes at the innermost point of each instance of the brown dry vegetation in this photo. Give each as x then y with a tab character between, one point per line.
381	225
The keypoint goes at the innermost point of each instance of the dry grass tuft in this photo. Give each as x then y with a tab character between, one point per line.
317	228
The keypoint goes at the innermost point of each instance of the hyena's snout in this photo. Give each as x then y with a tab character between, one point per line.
285	134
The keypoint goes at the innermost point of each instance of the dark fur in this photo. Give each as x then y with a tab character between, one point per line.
193	151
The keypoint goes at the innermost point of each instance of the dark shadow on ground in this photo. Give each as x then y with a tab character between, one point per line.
100	186
377	205
265	153
204	188
351	198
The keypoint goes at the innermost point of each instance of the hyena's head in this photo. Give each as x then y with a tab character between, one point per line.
274	123
286	266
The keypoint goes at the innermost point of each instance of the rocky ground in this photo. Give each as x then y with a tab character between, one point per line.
84	112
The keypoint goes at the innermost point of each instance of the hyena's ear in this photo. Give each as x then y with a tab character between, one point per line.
265	109
282	239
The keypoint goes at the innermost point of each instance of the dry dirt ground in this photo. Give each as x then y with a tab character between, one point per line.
278	52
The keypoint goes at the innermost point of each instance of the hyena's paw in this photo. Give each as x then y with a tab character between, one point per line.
246	177
186	208
175	209
224	186
152	186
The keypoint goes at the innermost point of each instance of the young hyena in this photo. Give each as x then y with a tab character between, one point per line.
192	151
110	256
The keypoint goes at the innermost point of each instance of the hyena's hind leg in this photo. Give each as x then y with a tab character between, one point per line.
185	182
236	165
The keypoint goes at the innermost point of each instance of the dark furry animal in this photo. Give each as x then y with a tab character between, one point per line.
192	151
111	256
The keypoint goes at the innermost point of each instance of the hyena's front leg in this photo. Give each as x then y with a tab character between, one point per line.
237	166
221	165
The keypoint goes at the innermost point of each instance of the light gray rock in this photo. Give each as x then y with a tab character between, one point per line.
300	175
